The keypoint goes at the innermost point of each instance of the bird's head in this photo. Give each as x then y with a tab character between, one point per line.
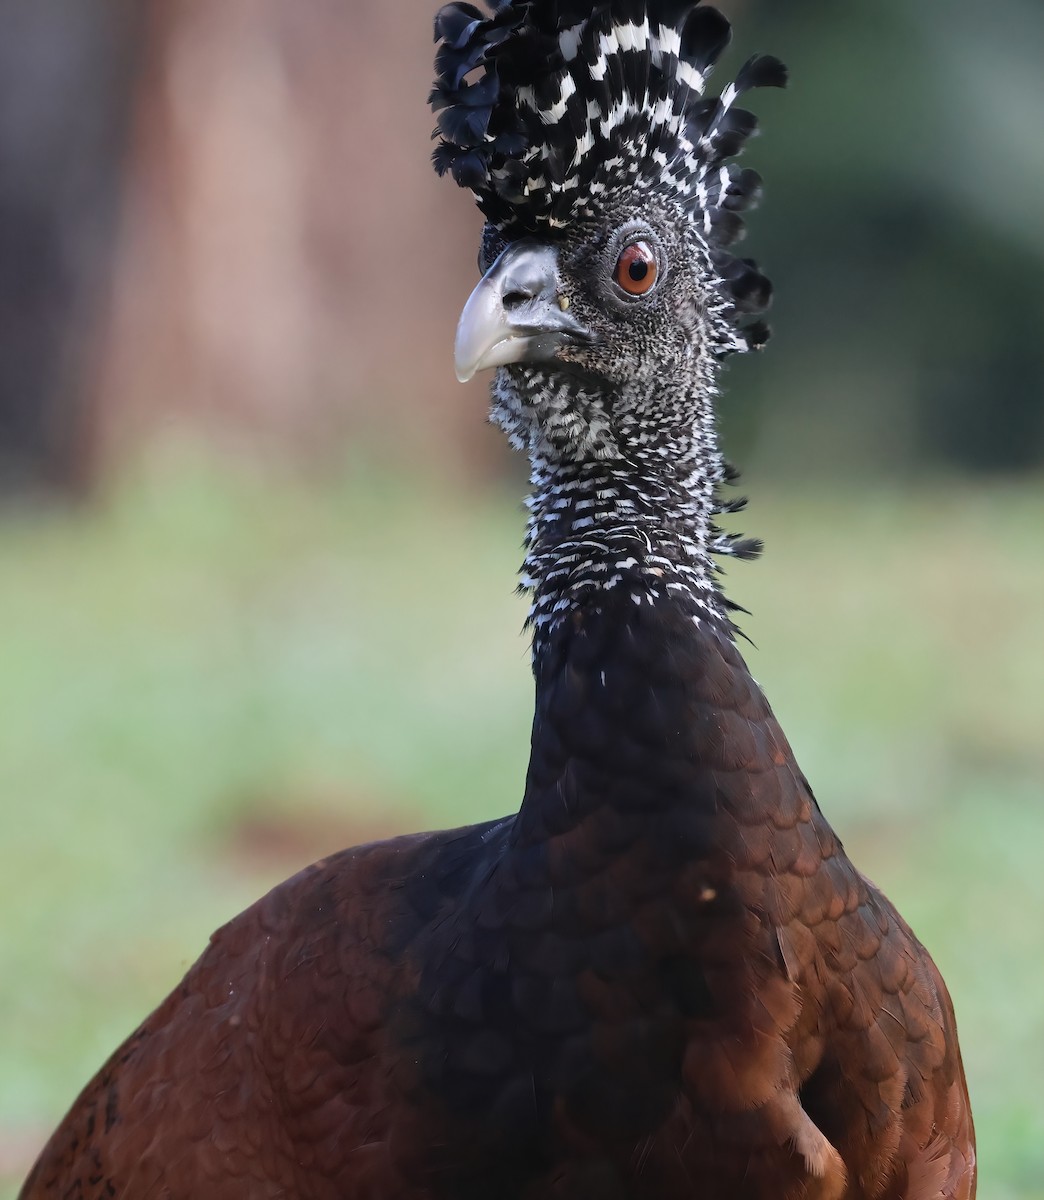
608	292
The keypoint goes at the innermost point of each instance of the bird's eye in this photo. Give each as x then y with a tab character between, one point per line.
636	269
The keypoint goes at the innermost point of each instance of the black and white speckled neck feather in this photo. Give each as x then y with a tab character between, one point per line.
636	516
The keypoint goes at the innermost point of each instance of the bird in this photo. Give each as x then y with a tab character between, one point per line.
662	978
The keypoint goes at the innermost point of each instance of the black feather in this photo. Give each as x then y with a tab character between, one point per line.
454	22
469	168
705	35
761	71
757	334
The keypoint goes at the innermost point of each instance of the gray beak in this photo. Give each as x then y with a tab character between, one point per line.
516	314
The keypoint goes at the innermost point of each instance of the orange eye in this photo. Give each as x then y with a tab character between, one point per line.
636	269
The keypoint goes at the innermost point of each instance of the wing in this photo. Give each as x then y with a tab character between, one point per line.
268	1071
876	1044
874	1047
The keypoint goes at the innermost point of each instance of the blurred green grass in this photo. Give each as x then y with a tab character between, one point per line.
219	672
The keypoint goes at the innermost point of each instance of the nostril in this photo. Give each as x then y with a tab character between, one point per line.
516	297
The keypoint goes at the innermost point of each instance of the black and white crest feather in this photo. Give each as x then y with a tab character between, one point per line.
547	107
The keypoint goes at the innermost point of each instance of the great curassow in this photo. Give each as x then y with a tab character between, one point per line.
662	979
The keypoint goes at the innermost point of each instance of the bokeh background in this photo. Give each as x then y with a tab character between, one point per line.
257	545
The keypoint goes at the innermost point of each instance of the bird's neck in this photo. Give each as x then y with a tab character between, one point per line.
630	626
627	612
641	524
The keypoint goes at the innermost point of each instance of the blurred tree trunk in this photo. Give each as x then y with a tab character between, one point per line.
66	77
291	269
